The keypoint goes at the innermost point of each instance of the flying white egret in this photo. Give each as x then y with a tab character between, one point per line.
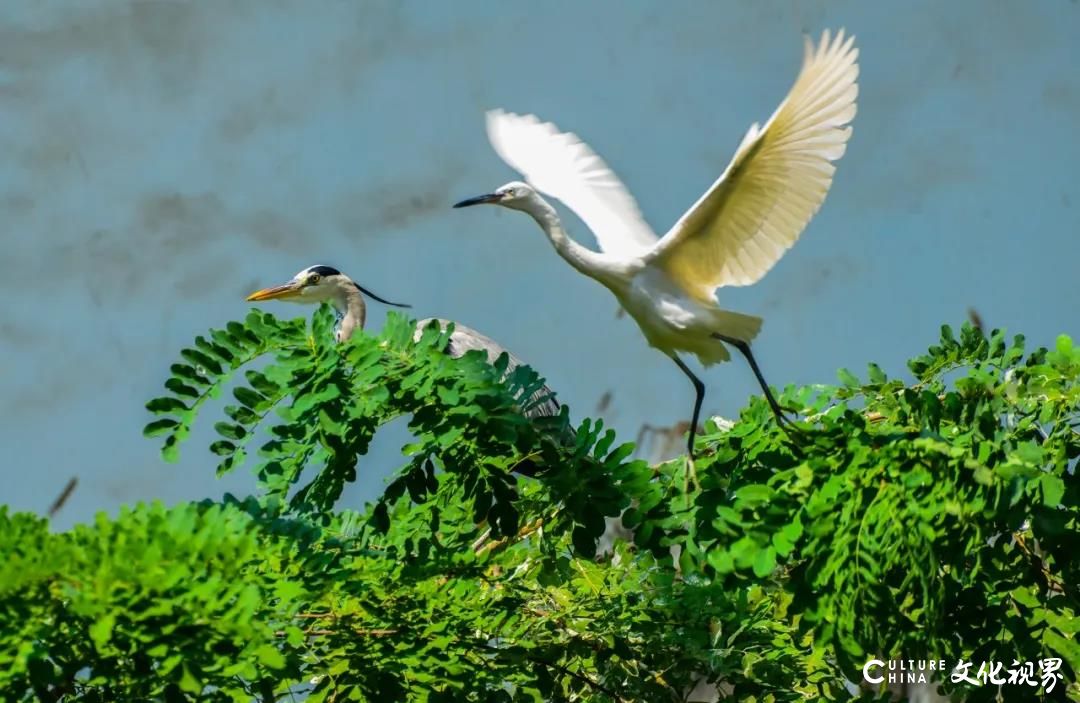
317	284
731	236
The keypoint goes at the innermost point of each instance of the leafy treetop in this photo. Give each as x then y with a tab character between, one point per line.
934	518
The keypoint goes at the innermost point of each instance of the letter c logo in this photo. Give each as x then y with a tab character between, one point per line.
866	671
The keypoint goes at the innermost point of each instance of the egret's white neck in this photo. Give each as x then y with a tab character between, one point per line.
584	260
350	304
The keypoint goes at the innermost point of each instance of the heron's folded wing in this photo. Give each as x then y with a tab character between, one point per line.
775	183
465	339
559	164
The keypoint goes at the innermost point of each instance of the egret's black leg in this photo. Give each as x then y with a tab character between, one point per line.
744	349
699	391
699	395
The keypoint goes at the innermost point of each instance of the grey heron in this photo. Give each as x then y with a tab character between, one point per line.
320	283
732	236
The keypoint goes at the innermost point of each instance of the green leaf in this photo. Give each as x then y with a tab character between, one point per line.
101	630
753	495
764	562
189	682
1064	344
230	431
242	334
242	415
848	379
1025	596
187	373
270	657
784	541
261	383
214	349
170	448
200	359
179	388
223	448
159	427
250	398
1053	490
166	404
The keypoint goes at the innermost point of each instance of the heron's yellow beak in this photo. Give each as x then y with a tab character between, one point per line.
284	291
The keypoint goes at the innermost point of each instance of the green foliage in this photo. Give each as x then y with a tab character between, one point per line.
936	518
157	603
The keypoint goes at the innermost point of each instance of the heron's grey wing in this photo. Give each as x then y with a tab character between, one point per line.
465	339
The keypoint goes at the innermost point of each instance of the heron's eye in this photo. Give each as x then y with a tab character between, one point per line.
313	279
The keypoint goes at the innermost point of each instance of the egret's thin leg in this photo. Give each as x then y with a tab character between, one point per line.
699	396
744	349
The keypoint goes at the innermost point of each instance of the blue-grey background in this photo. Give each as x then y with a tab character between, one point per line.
163	159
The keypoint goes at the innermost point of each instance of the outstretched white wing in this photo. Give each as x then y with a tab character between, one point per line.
775	183
562	166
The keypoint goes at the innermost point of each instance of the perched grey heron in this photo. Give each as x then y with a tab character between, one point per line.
732	236
317	284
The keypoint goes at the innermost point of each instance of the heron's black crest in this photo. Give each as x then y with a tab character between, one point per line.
324	270
371	295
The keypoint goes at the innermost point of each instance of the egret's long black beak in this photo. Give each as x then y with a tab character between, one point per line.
480	200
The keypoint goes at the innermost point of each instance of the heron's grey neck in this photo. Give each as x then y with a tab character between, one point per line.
588	262
350	306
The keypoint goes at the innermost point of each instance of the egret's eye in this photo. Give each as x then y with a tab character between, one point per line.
313	279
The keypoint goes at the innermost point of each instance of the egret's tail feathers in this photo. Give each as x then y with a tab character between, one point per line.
732	325
737	326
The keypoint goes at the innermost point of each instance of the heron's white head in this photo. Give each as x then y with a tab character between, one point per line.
514	195
316	284
312	285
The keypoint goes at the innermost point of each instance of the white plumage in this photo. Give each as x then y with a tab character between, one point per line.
742	225
565	168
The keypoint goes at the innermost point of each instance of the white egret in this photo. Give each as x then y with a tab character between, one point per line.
731	236
317	284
